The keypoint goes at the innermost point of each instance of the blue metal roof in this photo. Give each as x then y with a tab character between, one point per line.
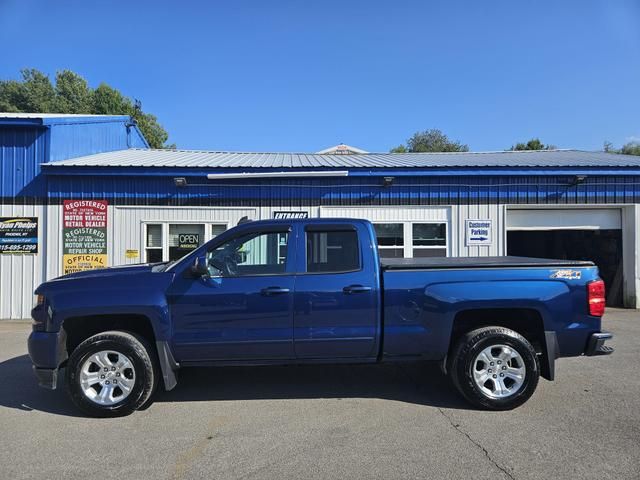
56	118
191	159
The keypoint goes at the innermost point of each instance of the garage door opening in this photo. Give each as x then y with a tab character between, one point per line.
603	247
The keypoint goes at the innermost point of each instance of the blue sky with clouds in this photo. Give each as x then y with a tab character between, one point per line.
301	76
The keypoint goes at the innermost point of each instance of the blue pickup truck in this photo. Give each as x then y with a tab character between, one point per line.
313	291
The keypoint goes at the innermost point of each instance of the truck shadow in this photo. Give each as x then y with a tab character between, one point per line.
420	383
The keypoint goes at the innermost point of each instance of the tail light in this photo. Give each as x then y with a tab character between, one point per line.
596	298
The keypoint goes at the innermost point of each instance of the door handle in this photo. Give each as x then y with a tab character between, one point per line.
356	289
273	291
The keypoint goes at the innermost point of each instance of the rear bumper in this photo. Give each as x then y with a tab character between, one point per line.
596	345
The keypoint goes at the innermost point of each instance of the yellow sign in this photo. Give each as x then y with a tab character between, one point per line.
131	253
80	263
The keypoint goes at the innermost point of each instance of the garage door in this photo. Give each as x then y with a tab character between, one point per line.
565	219
571	234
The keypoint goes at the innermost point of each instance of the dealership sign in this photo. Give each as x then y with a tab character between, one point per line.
84	235
479	232
18	235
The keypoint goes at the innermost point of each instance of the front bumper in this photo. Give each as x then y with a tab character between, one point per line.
47	351
596	345
47	377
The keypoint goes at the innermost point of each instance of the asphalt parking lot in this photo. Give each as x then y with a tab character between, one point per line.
331	422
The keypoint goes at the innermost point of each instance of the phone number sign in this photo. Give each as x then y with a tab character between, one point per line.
18	235
84	235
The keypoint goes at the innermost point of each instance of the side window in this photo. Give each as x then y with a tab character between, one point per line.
332	251
390	239
251	254
153	242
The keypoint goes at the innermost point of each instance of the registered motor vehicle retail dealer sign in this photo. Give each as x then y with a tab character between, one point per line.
84	235
479	232
18	235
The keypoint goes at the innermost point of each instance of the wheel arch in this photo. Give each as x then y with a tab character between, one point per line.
79	328
526	321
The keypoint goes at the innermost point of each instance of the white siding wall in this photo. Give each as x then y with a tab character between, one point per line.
20	274
496	213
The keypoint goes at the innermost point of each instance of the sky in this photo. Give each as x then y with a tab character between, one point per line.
299	76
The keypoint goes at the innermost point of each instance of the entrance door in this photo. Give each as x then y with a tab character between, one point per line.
244	310
336	305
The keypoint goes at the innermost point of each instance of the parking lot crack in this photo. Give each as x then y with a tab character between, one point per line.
456	426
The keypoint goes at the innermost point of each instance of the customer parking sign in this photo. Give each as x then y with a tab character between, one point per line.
479	232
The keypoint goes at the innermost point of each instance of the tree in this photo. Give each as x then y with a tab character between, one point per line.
630	148
533	144
399	149
38	93
432	140
71	94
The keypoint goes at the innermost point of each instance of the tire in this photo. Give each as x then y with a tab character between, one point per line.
97	365
481	356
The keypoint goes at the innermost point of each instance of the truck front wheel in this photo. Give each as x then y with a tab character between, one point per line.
494	368
111	374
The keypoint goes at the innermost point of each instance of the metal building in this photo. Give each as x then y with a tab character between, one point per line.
152	205
27	142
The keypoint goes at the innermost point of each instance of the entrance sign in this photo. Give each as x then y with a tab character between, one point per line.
84	235
479	232
290	215
18	235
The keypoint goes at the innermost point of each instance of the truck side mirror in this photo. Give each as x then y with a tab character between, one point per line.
199	267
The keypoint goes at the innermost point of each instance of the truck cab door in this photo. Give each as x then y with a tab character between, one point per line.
336	301
243	308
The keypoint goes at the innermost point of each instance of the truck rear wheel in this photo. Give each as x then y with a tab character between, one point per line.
494	368
111	374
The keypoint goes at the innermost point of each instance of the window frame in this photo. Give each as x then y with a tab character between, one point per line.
393	247
408	246
208	234
444	247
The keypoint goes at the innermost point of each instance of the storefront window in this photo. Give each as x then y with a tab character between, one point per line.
153	246
183	239
217	230
390	239
172	241
429	239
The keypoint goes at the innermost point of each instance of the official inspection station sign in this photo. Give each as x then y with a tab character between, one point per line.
84	235
18	235
479	232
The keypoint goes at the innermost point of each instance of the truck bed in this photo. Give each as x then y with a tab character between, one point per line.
476	262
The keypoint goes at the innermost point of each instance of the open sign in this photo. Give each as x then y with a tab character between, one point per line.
188	241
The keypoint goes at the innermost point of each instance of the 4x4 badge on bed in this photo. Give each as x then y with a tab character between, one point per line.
567	274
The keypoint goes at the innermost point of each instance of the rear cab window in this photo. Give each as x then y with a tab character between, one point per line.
332	249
